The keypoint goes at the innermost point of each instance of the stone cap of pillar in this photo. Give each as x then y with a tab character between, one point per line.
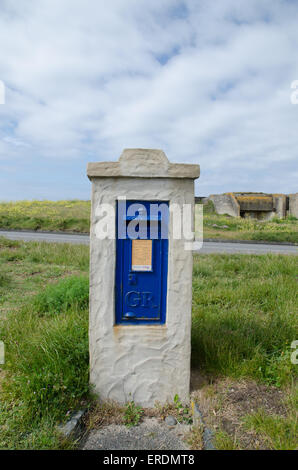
142	163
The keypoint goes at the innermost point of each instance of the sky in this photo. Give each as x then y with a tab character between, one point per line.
207	81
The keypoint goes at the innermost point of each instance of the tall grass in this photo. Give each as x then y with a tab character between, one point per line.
245	315
47	363
70	293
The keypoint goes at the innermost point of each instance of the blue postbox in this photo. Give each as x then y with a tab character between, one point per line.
141	262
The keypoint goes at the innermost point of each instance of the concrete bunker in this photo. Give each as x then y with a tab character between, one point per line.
260	206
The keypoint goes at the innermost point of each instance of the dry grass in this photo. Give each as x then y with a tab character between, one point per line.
103	414
228	405
195	438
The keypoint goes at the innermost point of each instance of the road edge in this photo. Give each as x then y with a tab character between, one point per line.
213	240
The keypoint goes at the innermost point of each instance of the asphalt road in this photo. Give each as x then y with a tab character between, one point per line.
208	246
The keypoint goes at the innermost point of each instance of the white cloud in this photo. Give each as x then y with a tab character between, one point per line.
209	82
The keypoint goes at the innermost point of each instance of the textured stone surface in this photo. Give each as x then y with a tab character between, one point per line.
280	205
255	202
293	204
73	425
225	204
143	363
171	420
142	163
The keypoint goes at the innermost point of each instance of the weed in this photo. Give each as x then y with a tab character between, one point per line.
132	414
184	414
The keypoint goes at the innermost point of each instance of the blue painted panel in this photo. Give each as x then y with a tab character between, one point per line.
141	295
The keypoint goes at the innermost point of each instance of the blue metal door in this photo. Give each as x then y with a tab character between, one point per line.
141	264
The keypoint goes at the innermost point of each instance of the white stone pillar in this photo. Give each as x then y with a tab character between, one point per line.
141	362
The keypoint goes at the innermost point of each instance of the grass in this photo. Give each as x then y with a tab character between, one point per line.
4	280
74	216
70	293
195	438
44	325
248	414
223	441
244	320
279	433
65	216
245	315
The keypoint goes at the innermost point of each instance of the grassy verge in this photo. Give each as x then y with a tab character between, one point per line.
44	326
244	320
245	315
74	216
66	216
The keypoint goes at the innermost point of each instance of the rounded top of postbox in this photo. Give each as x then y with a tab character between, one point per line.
143	163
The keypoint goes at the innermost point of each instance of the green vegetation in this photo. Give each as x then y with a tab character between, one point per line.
132	414
183	414
244	320
195	438
223	441
236	228
4	280
279	433
245	315
74	216
69	293
45	331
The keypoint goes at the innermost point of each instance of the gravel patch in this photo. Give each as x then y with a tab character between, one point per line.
151	434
